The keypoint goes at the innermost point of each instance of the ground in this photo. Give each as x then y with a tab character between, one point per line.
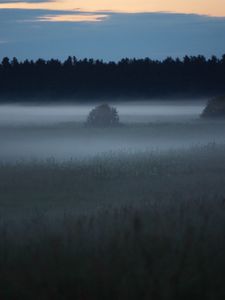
121	226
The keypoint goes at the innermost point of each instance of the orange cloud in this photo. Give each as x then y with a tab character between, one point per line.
73	18
207	7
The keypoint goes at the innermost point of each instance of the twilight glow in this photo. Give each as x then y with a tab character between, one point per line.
203	7
111	29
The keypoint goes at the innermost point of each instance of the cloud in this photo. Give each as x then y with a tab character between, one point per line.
155	35
72	18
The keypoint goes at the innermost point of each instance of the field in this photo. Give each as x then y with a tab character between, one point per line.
123	225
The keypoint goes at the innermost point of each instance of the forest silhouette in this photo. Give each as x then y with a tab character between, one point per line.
128	78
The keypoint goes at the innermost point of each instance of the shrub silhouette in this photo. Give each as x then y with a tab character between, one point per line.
215	108
103	116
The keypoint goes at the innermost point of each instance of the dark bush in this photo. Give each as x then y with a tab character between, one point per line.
215	108
103	116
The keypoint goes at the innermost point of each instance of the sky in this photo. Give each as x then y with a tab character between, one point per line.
111	29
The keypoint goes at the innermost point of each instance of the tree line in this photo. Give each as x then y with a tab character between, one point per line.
131	78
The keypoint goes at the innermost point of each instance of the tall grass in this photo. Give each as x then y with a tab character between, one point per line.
121	226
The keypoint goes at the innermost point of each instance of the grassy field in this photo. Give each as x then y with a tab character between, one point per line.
144	225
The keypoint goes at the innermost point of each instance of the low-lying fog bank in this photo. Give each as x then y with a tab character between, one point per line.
141	111
75	141
40	132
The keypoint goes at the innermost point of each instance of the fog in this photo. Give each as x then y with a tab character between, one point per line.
132	112
43	131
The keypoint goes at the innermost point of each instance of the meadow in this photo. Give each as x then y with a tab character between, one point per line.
120	225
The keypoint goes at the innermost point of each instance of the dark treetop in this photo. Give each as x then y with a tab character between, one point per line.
128	78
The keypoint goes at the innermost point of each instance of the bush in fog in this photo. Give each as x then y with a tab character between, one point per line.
103	116
215	108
